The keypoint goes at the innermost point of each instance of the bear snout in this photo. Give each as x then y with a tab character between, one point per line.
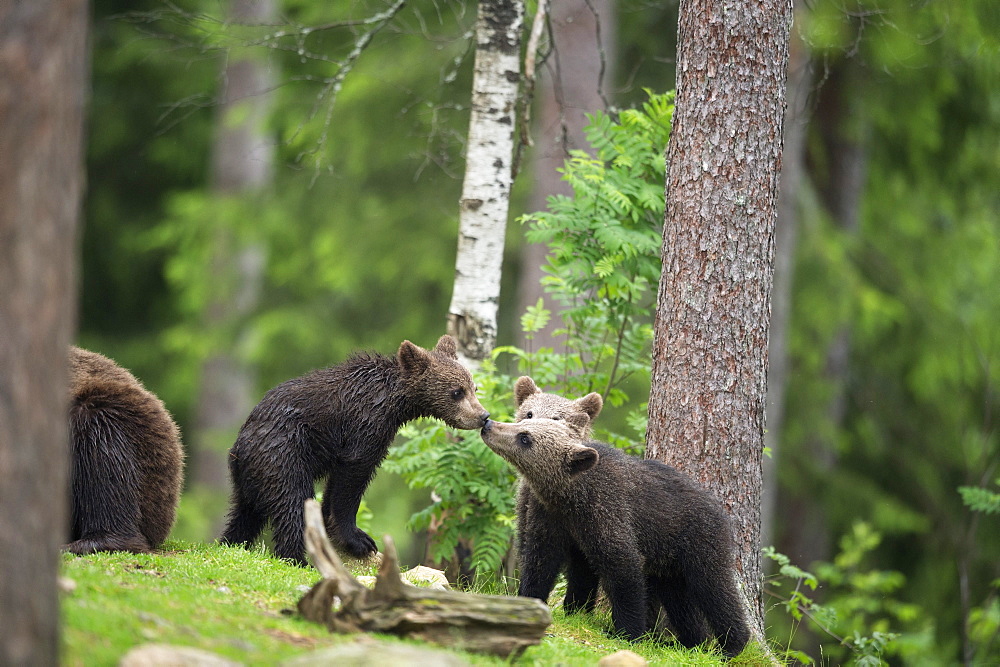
487	425
485	417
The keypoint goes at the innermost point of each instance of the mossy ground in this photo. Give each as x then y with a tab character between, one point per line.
240	603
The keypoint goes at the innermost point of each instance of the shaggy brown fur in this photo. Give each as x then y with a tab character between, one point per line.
127	459
337	424
532	402
637	527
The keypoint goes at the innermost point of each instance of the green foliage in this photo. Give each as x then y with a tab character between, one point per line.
980	500
331	237
909	294
604	242
473	488
603	268
853	609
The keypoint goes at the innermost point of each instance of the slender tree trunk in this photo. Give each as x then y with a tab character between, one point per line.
576	75
242	164
483	208
485	200
706	407
840	182
785	243
43	73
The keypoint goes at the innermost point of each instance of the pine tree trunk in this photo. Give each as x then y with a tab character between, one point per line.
483	208
706	407
242	163
43	72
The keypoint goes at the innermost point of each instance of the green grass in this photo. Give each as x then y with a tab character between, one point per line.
240	603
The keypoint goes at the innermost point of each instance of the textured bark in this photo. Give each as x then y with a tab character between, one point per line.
43	71
785	243
242	163
483	208
494	624
576	73
706	407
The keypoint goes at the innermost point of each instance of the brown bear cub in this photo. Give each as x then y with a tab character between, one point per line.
640	528
126	459
337	423
532	402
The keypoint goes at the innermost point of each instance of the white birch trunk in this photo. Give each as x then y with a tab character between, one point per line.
472	316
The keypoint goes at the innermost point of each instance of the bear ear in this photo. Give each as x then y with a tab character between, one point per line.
581	459
591	404
446	345
579	421
414	359
523	388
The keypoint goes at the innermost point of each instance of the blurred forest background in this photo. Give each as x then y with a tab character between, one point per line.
262	201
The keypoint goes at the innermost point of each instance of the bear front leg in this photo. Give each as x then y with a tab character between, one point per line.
341	499
542	549
625	585
581	583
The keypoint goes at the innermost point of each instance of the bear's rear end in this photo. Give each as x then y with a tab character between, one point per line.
127	459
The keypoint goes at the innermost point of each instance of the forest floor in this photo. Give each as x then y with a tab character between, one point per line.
240	605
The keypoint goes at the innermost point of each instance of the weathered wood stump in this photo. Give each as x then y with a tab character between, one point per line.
493	624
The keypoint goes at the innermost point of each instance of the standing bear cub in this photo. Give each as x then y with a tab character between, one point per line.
126	459
638	527
337	424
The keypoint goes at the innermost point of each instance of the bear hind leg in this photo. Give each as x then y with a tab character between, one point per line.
683	614
104	486
288	519
244	525
722	606
581	583
246	518
93	543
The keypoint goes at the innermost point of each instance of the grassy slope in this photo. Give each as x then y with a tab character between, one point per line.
237	603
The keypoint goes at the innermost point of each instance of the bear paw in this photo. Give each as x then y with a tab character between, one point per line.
358	544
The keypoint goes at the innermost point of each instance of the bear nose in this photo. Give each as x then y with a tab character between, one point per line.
485	417
487	424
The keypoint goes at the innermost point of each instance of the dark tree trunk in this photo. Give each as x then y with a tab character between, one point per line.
43	71
839	174
242	164
576	74
706	407
785	243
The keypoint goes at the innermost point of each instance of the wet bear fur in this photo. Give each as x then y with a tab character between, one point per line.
337	424
639	528
126	459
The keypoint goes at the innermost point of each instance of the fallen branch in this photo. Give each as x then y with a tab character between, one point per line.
493	624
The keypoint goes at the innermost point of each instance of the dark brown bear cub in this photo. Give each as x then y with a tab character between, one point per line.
126	456
337	424
635	526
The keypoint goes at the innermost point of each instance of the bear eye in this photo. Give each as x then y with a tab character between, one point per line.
528	416
457	394
524	439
